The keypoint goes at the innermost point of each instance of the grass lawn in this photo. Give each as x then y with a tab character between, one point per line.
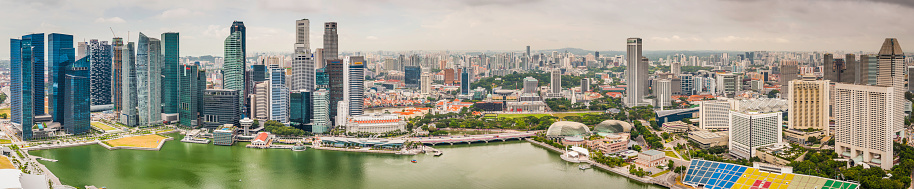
6	110
145	141
520	115
562	115
670	154
660	173
5	141
102	126
5	163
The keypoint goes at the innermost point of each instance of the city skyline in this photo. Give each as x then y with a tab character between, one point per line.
485	25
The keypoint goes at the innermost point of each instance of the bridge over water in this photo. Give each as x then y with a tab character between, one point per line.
469	139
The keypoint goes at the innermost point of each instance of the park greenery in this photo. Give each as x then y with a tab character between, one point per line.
278	128
822	163
516	81
600	104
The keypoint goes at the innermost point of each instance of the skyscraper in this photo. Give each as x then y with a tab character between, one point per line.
808	102
25	53
149	79
215	111
321	121
129	115
233	68
426	81
750	130
636	75
356	85
331	42
530	85
555	84
302	60
411	78
238	26
464	82
100	72
75	93
82	50
60	52
170	52
279	95
321	79
662	92
337	85
117	60
190	106
789	72
892	73
300	109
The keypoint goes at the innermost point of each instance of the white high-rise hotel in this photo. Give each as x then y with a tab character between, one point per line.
636	72
751	130
868	117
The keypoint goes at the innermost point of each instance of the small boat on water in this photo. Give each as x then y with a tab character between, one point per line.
414	161
584	167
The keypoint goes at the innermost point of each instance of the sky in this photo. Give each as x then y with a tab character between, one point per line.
459	25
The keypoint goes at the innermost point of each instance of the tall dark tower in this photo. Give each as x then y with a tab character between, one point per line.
331	43
239	26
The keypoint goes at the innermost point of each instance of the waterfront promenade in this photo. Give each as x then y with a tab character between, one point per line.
659	180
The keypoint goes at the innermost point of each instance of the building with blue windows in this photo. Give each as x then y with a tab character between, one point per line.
411	76
357	85
279	95
321	79
190	105
149	80
464	82
321	122
60	52
75	91
129	114
100	73
300	109
24	55
170	53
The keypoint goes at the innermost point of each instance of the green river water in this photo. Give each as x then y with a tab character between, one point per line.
513	164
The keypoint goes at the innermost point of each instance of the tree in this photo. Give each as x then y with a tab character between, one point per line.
773	94
4	115
636	148
670	165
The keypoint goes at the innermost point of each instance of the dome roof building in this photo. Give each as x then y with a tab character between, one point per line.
563	129
613	126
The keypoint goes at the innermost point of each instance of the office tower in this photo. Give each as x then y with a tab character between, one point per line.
464	82
335	71
411	76
789	72
864	123
321	120
714	115
851	66
100	72
449	76
530	85
636	72
75	93
585	85
555	86
129	113
331	42
215	111
751	130
149	79
342	114
260	103
426	83
662	92
23	58
303	60
892	73
808	102
910	78
238	26
233	67
356	85
82	50
300	109
60	53
279	95
117	61
676	68
686	84
729	84
318	57
321	79
830	70
169	92
192	83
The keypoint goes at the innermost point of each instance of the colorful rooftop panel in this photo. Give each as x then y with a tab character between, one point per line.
716	175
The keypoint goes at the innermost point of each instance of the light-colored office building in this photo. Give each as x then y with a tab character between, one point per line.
662	93
375	124
751	130
808	102
530	85
636	71
321	121
714	115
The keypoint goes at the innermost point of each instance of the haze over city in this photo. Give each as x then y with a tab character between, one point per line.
396	25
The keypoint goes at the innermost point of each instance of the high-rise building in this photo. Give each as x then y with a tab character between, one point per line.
149	79
892	73
686	84
260	105
25	56
82	50
190	106
117	61
662	93
808	102
426	83
100	72
830	68
300	109
530	85
238	26
233	67
356	85
789	72
129	113
279	95
321	79
714	115
449	76
336	73
636	72
676	68
585	85
555	86
864	123
464	82
215	113
170	52
411	78
729	84
331	42
60	52
851	66
302	60
751	130
321	121
75	93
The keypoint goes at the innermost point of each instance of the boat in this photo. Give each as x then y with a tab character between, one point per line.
438	153
414	161
583	167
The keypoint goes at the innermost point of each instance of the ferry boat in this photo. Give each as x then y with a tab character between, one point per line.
414	161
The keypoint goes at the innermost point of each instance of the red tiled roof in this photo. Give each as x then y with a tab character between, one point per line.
262	136
378	121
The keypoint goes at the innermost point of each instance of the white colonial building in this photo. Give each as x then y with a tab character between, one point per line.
375	123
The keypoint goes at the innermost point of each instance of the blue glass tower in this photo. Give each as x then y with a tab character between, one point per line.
60	52
75	92
321	79
170	72
36	42
26	65
464	82
15	80
300	109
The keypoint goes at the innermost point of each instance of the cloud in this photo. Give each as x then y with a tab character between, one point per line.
290	5
179	13
371	38
497	2
115	20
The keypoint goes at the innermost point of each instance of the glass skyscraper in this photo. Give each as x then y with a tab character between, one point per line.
60	52
117	59
279	95
170	53
321	121
190	107
75	91
100	72
215	111
149	71
300	109
335	69
233	66
129	114
321	79
411	78
356	85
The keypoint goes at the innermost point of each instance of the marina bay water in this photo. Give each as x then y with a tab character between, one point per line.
513	164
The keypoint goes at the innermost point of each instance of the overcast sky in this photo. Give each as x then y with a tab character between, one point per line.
395	25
